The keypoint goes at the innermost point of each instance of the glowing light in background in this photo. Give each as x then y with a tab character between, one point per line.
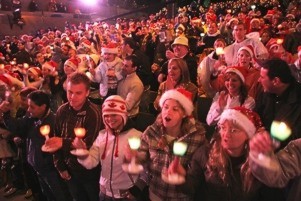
89	2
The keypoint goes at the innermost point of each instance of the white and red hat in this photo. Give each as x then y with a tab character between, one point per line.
249	49
245	118
86	43
181	95
110	48
35	71
196	20
72	62
115	105
240	71
50	65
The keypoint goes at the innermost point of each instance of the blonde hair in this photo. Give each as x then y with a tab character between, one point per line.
219	167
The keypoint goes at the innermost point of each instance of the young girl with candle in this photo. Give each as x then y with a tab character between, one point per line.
235	94
221	170
107	149
173	124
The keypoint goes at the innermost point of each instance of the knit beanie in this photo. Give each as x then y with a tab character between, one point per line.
114	105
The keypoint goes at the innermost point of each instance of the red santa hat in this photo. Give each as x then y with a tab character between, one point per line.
196	20
240	71
181	95
72	62
110	48
35	71
249	49
231	21
245	118
254	20
50	65
86	43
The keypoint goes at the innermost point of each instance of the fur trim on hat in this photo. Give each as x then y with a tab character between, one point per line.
110	48
240	119
180	95
249	49
73	63
36	71
238	71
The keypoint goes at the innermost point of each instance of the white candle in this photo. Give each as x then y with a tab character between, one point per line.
280	130
179	148
253	7
220	51
45	130
134	142
80	132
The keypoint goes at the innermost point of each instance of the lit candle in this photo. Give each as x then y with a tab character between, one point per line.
12	62
134	142
80	132
45	130
67	38
202	34
279	41
25	65
179	148
280	130
220	51
253	7
7	96
229	11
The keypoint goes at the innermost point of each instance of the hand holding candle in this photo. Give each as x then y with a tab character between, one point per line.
279	132
133	167
175	174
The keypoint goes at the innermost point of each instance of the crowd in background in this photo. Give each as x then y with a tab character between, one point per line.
242	56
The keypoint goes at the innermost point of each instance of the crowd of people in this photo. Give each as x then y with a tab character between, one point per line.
71	101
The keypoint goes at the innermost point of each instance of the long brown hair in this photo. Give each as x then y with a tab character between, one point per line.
243	91
218	165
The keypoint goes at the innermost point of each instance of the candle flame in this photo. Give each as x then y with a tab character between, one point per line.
134	142
179	148
80	132
45	130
